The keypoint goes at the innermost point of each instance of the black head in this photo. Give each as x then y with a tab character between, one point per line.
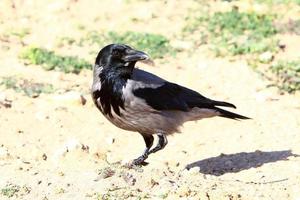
119	58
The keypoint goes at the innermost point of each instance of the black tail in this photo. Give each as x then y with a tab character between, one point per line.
230	115
222	103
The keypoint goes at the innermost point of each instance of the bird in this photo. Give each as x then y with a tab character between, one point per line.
139	101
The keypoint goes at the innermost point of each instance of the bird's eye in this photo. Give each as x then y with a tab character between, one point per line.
116	53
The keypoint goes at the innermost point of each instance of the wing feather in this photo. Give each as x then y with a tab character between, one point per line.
170	96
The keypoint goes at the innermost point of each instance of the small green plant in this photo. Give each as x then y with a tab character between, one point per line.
66	40
9	82
27	87
287	75
10	190
20	33
51	61
106	196
237	23
163	195
81	27
154	44
60	191
235	32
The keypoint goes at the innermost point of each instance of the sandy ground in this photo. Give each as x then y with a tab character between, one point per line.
53	147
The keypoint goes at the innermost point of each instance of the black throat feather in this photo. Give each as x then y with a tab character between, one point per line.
110	93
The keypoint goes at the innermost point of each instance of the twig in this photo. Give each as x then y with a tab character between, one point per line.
261	183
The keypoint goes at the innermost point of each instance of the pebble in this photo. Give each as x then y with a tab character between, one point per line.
6	103
72	97
41	116
4	152
110	140
266	57
44	156
68	146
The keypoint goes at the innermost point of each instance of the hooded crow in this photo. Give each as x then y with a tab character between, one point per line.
136	100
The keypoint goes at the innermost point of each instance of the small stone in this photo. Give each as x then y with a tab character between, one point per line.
110	140
281	45
4	152
74	98
41	116
44	156
70	145
266	57
4	101
83	100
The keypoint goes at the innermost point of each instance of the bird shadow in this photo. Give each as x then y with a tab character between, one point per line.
233	163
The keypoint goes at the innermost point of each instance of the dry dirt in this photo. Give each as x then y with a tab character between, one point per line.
53	147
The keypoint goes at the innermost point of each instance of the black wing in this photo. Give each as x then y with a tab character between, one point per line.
170	96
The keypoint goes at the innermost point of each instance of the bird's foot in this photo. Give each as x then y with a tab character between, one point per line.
140	160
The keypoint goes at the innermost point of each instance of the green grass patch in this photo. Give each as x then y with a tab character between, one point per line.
26	87
19	33
51	61
235	32
157	46
66	41
287	75
10	190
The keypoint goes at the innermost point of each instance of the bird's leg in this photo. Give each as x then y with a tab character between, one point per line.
162	142
149	142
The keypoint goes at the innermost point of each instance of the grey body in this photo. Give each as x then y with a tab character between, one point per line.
136	100
139	116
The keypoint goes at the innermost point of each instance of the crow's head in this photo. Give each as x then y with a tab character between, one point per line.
119	58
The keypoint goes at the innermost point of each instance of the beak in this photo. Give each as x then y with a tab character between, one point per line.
134	55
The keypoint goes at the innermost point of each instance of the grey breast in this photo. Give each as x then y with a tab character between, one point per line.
141	117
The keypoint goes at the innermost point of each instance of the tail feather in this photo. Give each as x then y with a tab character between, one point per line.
230	115
223	103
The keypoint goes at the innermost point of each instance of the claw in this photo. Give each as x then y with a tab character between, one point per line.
140	160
